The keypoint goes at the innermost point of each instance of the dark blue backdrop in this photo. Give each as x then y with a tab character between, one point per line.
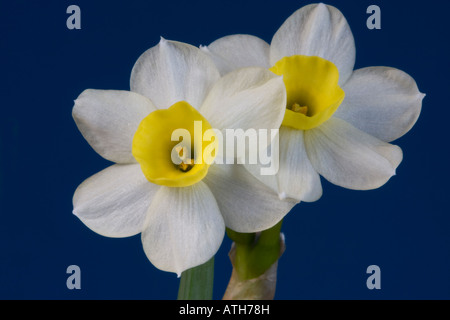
402	227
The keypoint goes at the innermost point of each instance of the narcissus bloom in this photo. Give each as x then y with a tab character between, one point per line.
180	209
338	121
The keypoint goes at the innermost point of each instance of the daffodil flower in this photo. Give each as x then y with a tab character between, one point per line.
338	121
180	210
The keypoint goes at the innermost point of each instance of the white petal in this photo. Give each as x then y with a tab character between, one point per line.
350	158
246	204
173	71
384	102
114	202
108	119
246	98
297	178
270	180
238	51
184	228
316	30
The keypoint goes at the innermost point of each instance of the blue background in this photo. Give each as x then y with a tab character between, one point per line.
403	227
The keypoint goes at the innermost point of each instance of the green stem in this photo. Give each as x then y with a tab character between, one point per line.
255	254
197	283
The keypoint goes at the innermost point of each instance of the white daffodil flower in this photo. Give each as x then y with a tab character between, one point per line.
338	121
181	210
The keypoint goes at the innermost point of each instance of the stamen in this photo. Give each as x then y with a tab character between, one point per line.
185	167
186	164
299	109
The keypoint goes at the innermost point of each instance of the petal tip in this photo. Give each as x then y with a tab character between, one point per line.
163	42
282	237
320	6
204	48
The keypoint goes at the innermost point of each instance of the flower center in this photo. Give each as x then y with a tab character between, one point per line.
313	93
169	145
186	163
298	108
